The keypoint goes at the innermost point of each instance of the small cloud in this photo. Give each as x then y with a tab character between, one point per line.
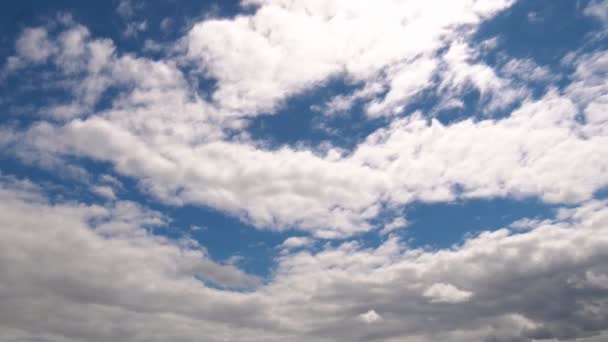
197	228
526	223
488	45
598	9
446	293
125	9
526	69
34	46
108	179
534	17
166	24
397	223
153	46
104	191
235	260
134	28
296	242
370	317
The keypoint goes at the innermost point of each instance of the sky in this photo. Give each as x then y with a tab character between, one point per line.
285	170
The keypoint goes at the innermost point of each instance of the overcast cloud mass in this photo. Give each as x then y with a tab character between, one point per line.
314	170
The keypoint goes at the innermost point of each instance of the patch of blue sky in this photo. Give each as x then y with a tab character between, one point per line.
544	31
299	123
441	225
227	238
103	20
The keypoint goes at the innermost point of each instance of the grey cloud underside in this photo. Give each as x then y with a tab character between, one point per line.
69	279
87	272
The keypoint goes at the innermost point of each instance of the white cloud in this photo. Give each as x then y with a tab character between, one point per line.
166	24
104	191
370	317
522	155
32	47
598	9
198	228
396	223
125	9
482	281
295	242
462	72
134	28
446	293
526	69
406	81
288	47
118	226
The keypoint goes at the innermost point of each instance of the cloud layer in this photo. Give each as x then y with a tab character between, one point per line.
76	272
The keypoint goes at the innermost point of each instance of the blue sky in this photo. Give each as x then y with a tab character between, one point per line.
320	170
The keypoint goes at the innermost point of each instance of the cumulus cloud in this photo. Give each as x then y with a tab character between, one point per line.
33	45
296	242
97	275
462	72
104	191
413	159
446	293
288	47
477	281
370	317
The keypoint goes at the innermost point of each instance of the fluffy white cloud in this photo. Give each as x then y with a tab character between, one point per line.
288	47
104	191
419	293
296	242
396	223
33	45
446	293
461	72
522	155
413	159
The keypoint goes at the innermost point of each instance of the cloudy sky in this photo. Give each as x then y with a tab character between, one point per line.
314	170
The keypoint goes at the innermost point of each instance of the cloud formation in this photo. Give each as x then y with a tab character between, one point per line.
96	274
178	126
187	158
288	47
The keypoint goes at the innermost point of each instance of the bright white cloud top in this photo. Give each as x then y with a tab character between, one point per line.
128	133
